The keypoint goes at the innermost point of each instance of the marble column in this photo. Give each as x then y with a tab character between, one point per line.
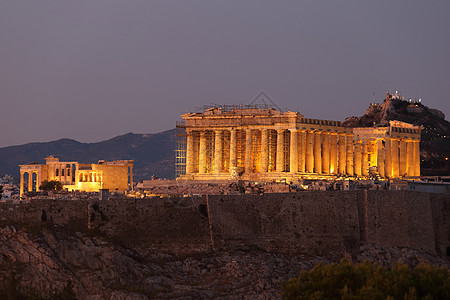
317	152
410	158
37	180
416	154
380	158
402	157
218	152
189	153
233	150
280	150
202	153
333	153
395	160
365	158
264	150
302	165
248	151
350	170
388	158
293	159
326	153
309	151
342	154
358	158
21	183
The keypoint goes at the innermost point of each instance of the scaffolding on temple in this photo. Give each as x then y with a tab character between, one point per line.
180	151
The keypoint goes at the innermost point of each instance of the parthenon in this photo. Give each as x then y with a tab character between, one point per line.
114	175
262	143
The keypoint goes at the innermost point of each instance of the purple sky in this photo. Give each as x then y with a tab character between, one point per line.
92	70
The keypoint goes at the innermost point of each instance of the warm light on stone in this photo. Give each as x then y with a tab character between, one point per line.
113	175
265	144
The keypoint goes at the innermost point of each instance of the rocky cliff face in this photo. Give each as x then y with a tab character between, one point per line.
435	143
51	262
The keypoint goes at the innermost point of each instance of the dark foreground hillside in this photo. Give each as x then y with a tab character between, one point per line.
153	153
51	262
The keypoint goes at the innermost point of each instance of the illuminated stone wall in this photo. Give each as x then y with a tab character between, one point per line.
113	176
264	144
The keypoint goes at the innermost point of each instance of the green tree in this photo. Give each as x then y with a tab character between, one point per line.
52	185
369	281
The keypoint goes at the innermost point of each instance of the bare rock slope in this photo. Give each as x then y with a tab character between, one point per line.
52	263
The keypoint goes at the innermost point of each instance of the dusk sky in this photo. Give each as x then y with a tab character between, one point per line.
91	70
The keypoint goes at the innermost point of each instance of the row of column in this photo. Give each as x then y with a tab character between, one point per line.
90	177
30	180
316	156
404	159
315	152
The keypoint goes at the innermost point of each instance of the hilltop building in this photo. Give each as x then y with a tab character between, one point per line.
113	175
263	143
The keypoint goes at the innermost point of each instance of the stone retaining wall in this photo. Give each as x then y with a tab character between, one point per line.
323	223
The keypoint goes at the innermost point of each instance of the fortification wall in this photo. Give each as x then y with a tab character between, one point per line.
312	222
440	209
397	218
321	223
172	224
73	214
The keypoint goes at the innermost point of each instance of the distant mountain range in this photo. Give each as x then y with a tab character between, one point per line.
153	154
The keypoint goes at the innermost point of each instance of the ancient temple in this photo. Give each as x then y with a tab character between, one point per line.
113	175
262	143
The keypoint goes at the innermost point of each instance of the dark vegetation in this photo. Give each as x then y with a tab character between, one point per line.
369	281
52	185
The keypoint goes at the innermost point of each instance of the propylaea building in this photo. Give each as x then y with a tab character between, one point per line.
262	143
